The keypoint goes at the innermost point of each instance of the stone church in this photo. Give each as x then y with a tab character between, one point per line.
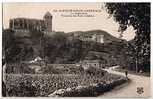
29	24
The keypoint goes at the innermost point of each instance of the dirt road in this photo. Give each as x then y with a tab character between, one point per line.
138	83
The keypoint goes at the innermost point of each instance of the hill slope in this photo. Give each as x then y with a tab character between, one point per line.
59	49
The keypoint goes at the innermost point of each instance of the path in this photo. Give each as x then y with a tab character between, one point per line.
130	89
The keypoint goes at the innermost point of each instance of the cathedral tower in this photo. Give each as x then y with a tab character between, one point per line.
48	22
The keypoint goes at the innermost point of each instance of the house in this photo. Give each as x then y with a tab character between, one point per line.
87	37
90	63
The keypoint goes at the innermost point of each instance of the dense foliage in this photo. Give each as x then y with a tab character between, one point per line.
58	48
43	85
138	16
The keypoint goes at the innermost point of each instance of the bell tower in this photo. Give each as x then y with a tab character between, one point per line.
48	22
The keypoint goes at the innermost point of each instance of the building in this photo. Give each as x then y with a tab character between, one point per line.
48	22
28	24
98	38
95	38
88	37
90	63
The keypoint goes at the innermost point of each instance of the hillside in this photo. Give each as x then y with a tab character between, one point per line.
19	47
58	48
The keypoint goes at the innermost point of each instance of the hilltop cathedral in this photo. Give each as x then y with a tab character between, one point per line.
22	26
28	24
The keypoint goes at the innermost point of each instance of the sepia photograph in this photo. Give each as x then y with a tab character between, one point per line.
82	49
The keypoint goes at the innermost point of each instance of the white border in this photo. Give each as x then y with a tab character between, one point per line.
76	0
6	1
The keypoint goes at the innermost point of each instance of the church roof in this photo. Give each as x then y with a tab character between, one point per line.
48	14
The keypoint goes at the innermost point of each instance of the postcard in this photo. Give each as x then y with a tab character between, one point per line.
92	49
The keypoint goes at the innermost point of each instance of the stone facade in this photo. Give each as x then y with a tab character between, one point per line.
27	24
98	38
95	37
86	37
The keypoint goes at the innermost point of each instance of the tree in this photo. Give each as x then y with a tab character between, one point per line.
138	16
10	48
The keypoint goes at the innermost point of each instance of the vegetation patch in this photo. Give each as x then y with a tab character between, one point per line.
31	85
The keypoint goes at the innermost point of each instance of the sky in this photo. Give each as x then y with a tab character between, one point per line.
99	21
